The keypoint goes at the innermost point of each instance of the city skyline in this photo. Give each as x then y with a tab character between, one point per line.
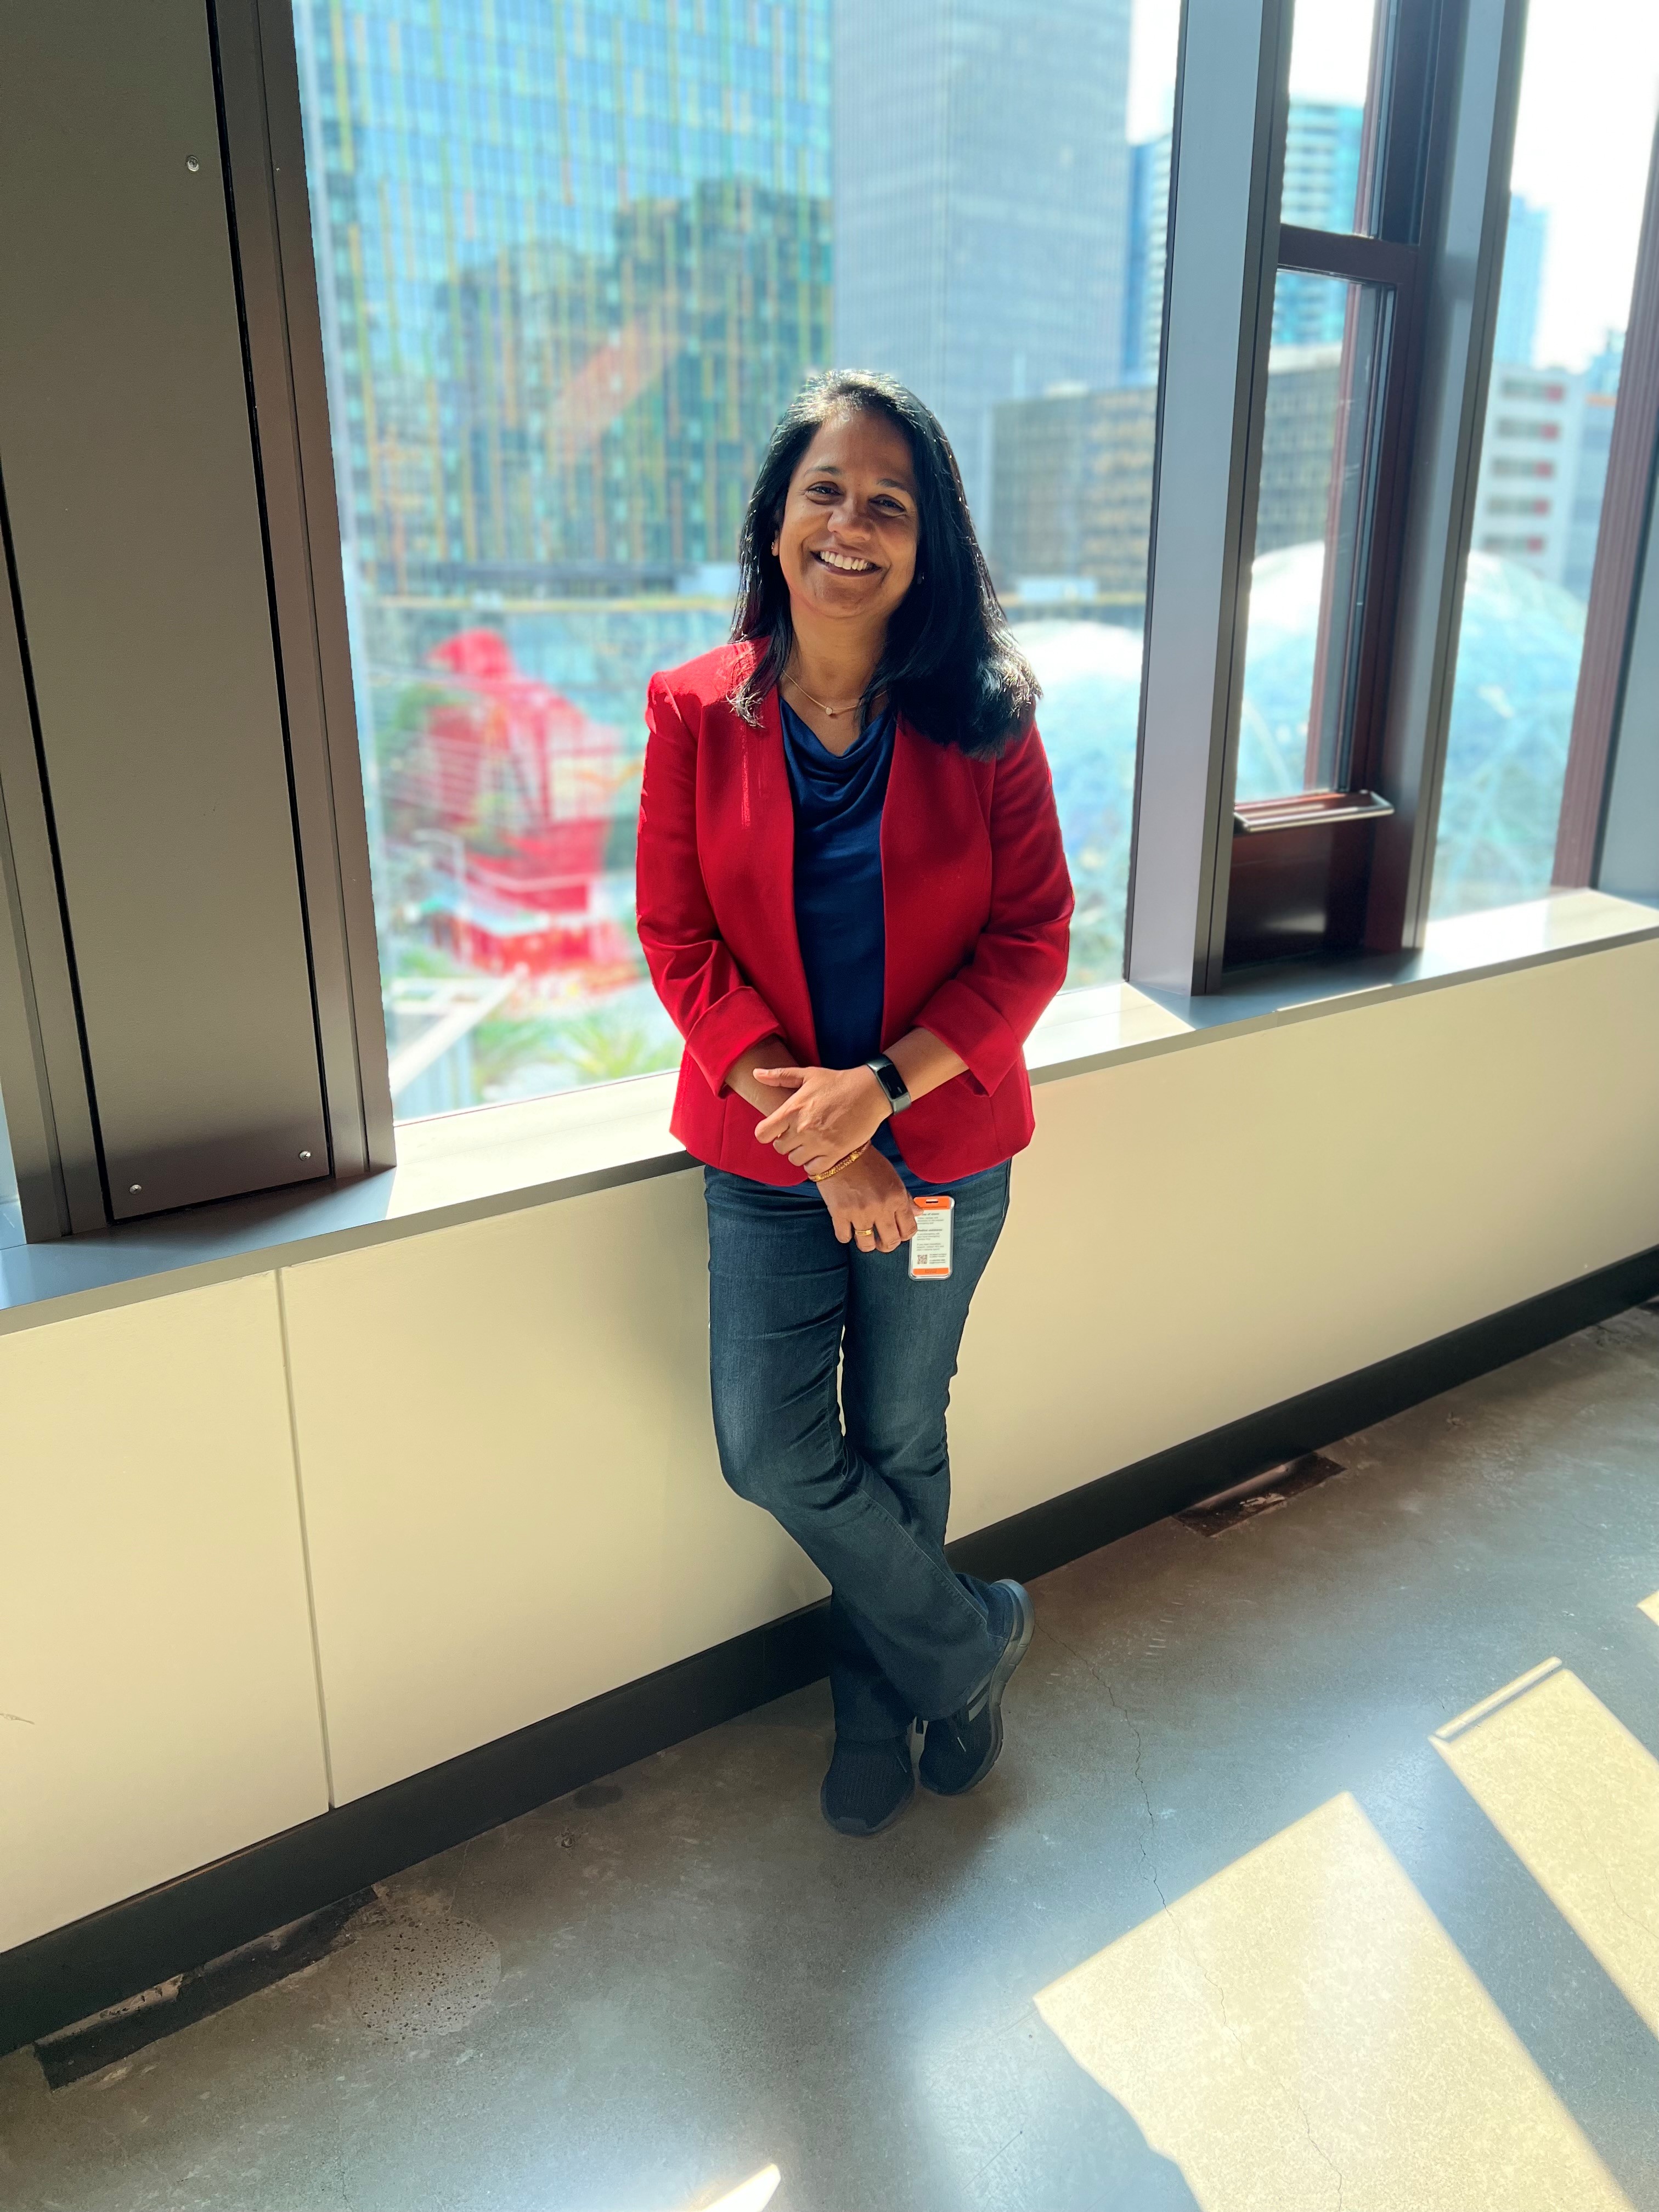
575	256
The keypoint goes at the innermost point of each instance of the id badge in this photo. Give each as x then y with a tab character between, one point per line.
930	1248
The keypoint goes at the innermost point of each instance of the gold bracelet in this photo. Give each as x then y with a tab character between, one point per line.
857	1152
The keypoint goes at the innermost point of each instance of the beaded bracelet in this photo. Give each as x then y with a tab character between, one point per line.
857	1152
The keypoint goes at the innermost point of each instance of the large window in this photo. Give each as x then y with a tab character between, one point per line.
1583	136
574	258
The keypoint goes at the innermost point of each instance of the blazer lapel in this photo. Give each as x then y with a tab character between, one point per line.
767	808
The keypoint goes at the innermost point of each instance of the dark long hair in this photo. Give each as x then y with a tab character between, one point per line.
950	664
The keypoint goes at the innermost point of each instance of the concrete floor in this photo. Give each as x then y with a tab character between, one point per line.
1346	1964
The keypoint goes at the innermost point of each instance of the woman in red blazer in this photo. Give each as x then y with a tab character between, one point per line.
855	904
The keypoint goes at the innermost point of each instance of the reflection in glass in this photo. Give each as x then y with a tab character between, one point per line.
574	258
1582	140
1308	585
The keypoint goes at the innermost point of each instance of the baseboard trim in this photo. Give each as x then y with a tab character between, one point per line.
73	1971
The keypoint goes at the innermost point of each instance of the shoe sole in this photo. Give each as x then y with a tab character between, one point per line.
847	1828
1002	1674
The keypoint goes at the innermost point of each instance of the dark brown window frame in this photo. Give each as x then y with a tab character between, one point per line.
1215	886
1623	543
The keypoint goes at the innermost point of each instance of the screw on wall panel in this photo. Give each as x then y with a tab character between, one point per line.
191	163
133	1189
305	1156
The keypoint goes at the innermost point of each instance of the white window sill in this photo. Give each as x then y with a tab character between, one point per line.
495	1160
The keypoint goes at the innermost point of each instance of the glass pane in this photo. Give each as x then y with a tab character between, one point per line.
1582	142
1307	585
574	256
1331	47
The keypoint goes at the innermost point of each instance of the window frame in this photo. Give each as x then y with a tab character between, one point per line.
1624	571
1459	60
1439	137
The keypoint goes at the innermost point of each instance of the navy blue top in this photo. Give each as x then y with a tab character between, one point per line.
838	902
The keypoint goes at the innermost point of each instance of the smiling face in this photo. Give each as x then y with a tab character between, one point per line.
849	537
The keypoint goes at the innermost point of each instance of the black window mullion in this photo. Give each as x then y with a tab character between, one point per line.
1344	253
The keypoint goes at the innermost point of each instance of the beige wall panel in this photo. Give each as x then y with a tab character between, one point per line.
1198	1235
512	1497
511	1487
158	1694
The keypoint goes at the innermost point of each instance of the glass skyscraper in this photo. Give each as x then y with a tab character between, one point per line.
574	257
981	174
1322	184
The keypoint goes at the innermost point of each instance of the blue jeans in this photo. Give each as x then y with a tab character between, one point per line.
867	1502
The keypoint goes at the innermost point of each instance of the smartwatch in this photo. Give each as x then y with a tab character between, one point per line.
890	1081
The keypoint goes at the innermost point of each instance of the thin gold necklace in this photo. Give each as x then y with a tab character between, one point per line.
822	706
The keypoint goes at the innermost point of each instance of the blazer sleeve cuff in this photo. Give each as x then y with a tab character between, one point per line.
721	1031
974	1030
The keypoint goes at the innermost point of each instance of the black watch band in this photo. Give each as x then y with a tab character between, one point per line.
890	1081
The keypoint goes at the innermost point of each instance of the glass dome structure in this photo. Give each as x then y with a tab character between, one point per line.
1512	701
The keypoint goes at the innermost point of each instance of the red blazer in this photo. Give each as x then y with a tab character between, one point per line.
978	902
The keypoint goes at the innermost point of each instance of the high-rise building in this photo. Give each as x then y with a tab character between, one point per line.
574	258
1544	467
1322	164
981	190
610	408
1518	298
1072	495
1529	469
1073	476
1321	187
1298	437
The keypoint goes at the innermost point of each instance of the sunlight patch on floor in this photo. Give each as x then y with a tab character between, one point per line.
1576	1797
1299	2033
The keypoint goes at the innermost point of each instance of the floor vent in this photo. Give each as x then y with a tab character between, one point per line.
107	2037
1248	1501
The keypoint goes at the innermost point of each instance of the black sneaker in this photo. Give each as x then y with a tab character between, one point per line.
962	1747
868	1785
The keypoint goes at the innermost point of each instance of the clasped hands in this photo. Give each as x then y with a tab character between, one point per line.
829	1113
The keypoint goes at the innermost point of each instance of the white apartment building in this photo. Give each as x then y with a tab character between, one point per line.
1543	465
